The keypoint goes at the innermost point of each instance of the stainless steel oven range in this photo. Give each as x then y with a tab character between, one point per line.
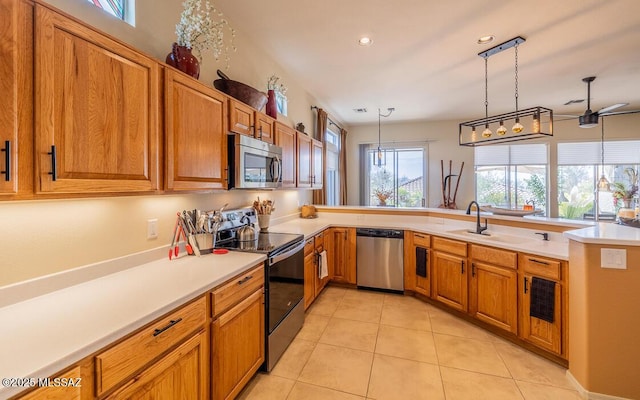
284	278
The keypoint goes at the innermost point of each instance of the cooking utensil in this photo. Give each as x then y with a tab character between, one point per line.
173	249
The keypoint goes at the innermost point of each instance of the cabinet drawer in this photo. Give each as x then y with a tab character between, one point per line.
493	256
540	266
320	241
421	239
122	360
234	291
309	247
450	246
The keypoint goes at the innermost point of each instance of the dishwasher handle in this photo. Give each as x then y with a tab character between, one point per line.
380	233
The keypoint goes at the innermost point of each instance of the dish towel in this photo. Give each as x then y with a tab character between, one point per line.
421	262
323	271
543	299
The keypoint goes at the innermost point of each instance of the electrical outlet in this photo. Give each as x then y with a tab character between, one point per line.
613	258
152	228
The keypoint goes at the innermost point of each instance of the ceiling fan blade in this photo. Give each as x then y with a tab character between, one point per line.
567	116
611	108
620	113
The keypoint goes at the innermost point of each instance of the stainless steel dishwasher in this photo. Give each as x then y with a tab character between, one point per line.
379	258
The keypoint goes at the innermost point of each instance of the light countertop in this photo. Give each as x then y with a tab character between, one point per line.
606	233
45	334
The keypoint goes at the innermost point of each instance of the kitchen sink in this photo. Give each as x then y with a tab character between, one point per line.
490	236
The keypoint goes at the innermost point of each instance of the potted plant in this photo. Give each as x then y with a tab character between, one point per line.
625	193
382	194
197	31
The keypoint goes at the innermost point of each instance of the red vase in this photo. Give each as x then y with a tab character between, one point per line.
272	108
182	59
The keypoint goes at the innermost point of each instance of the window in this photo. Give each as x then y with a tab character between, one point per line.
332	185
122	9
579	169
399	180
510	176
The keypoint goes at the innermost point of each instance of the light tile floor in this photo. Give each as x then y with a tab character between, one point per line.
368	345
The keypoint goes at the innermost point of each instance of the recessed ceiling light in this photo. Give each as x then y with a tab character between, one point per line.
365	41
486	39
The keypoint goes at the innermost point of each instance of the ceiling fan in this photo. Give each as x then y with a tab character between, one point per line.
590	118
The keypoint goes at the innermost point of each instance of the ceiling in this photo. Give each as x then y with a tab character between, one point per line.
424	62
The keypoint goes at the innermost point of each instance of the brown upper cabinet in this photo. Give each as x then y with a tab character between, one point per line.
96	108
16	102
303	164
286	138
196	134
241	117
265	127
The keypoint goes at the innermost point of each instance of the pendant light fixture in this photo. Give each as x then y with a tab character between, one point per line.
603	183
487	132
540	119
379	161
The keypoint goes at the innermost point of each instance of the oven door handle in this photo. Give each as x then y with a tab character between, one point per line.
287	253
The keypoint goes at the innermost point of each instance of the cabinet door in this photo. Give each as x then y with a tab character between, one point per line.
310	273
342	255
196	134
265	127
303	174
240	118
16	102
286	138
238	346
82	388
450	280
181	374
547	335
493	295
97	104
317	164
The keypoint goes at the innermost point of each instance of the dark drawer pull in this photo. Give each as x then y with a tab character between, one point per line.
525	285
538	261
419	236
462	267
243	280
52	153
473	270
169	325
7	160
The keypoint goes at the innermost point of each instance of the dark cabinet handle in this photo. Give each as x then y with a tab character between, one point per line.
538	261
525	285
169	325
53	173
473	270
462	267
419	236
243	280
7	160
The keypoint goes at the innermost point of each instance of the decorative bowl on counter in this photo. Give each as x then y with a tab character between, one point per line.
509	211
634	222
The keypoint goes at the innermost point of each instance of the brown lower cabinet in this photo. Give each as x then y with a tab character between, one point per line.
341	252
415	242
181	374
450	273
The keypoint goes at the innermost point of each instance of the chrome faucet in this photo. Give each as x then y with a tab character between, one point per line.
479	228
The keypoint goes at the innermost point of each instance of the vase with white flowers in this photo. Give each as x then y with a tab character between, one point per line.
274	89
197	31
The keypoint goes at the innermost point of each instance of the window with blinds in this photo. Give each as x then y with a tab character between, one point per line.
579	169
509	176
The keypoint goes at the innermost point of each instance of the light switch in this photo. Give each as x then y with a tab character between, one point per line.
152	228
613	258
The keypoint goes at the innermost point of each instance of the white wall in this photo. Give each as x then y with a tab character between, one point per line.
43	237
442	137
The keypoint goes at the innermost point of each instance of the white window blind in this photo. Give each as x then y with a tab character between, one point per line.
588	153
520	154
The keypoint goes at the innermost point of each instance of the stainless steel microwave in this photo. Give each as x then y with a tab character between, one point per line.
254	164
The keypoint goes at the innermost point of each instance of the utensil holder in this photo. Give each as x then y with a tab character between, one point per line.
263	222
206	242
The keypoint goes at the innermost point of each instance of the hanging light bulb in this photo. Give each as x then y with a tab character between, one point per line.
517	127
486	133
536	123
379	157
501	131
603	183
474	134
